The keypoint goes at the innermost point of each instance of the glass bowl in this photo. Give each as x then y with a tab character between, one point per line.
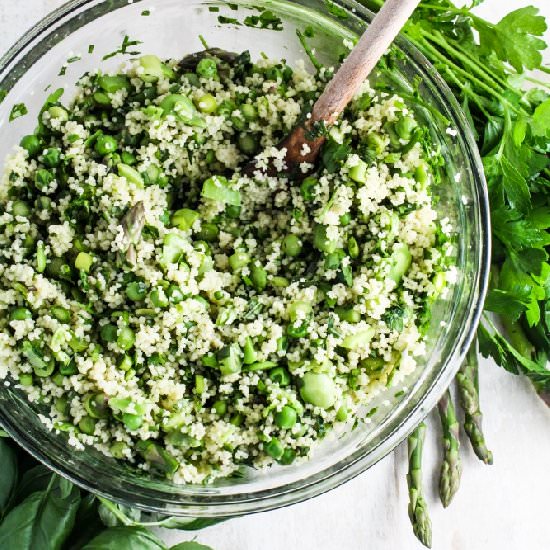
172	30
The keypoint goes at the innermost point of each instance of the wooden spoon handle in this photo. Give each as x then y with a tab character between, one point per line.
361	61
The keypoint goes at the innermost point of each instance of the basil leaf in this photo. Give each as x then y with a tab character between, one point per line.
190	545
8	478
125	538
88	524
43	521
34	480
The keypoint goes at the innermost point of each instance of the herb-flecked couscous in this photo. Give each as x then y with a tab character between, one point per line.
174	311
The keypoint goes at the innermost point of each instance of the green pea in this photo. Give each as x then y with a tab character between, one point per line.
101	99
288	457
184	219
421	173
152	68
220	407
274	448
250	355
353	248
118	449
206	103
238	123
405	126
292	246
321	241
342	414
52	157
87	425
112	84
128	158
132	421
136	291
20	314
175	295
207	68
200	384
158	298
58	379
105	145
348	314
238	260
345	219
125	363
286	417
318	389
68	369
158	458
258	276
358	172
232	211
96	405
209	232
26	379
58	113
32	144
61	314
43	178
152	174
280	376
126	338
280	282
108	333
131	174
84	262
21	208
249	112
375	143
41	259
61	405
307	188
229	361
248	144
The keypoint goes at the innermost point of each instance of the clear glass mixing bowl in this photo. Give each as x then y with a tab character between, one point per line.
172	30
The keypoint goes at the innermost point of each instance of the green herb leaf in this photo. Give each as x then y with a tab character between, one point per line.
514	38
190	545
9	477
125	538
43	521
541	119
17	111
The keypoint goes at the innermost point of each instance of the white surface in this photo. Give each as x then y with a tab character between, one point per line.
502	507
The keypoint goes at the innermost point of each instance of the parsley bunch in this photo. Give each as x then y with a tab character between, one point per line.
489	68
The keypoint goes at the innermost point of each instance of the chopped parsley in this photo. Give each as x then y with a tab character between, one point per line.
336	10
17	111
124	48
266	20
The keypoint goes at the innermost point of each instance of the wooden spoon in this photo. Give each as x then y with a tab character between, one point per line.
376	39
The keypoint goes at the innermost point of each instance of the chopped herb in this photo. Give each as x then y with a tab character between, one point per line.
233	7
309	31
62	71
126	43
309	51
3	95
146	13
228	20
203	41
18	110
214	9
91	48
266	20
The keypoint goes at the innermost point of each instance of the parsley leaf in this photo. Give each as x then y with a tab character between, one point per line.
514	38
18	110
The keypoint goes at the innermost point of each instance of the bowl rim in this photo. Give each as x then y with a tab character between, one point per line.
332	476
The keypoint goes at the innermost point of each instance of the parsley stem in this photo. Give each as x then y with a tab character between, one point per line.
482	72
433	51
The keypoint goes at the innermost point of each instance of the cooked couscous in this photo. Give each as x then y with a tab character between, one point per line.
172	311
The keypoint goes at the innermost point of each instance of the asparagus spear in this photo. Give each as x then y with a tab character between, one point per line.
451	468
418	509
468	391
133	223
